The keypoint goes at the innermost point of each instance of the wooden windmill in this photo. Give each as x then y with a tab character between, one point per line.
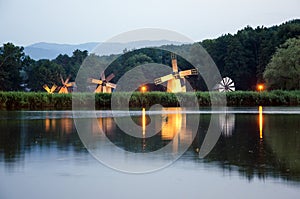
50	90
65	85
103	84
173	80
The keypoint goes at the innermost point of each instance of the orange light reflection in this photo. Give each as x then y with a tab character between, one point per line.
260	122
144	121
171	124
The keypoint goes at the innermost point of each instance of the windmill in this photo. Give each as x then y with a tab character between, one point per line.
103	84
173	80
227	123
66	84
50	90
226	85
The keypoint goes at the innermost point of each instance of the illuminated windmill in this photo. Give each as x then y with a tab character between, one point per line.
50	90
66	84
173	80
226	85
103	84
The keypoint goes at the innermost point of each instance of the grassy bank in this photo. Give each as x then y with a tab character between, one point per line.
34	101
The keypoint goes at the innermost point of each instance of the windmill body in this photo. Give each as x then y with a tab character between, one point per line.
174	80
65	85
103	84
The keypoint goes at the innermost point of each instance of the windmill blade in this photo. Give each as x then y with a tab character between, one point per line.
47	88
110	77
67	80
53	88
70	84
188	72
231	88
102	76
62	80
222	84
174	64
163	79
98	89
95	81
231	83
228	80
111	85
222	90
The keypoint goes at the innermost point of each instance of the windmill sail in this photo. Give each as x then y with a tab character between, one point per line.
103	84
66	84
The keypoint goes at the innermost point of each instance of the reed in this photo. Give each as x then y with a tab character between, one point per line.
42	100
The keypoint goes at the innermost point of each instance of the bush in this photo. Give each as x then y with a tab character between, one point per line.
32	100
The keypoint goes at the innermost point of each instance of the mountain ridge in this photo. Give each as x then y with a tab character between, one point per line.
47	50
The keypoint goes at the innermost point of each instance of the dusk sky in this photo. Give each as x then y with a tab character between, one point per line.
24	22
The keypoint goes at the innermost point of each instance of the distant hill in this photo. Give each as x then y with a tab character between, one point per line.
45	50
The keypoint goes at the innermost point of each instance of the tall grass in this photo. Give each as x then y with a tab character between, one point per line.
42	100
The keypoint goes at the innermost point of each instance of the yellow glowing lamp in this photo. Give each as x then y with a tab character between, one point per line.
143	89
260	87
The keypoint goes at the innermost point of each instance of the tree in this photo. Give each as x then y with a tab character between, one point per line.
236	66
43	72
71	64
12	61
283	71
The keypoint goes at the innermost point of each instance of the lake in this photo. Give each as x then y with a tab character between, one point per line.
256	156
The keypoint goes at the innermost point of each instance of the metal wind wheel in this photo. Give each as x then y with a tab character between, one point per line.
226	85
227	123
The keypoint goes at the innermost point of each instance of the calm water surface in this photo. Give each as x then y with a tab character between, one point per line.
256	156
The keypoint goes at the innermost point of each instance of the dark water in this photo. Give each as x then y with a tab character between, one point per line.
41	156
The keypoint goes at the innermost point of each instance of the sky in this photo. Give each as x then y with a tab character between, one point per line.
24	22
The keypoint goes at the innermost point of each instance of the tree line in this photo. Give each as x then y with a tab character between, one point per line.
245	55
251	56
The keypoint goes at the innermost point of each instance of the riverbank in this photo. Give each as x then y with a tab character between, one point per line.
43	100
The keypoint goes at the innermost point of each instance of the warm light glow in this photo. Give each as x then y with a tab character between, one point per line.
174	127
260	87
104	124
171	124
260	122
47	124
66	125
144	121
143	89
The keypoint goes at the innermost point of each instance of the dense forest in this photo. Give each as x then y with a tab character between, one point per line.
248	57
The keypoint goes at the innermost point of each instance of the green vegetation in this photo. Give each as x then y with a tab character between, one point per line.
243	57
12	63
34	101
283	72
